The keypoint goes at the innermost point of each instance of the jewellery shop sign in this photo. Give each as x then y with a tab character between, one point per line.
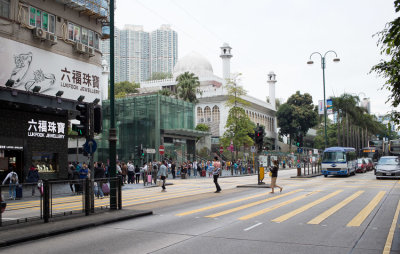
32	69
39	128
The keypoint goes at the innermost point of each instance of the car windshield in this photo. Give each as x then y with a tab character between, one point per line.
388	161
334	157
360	161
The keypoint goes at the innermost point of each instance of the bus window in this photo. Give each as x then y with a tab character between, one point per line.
334	157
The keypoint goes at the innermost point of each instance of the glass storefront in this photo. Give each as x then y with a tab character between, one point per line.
45	162
141	120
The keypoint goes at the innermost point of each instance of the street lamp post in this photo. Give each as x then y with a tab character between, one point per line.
336	59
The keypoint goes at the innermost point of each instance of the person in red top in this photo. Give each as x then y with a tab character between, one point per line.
216	170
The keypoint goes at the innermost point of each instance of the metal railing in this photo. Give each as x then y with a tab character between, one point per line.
49	199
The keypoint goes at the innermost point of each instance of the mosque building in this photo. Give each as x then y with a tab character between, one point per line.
211	108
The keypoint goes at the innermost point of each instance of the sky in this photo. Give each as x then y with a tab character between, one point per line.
279	36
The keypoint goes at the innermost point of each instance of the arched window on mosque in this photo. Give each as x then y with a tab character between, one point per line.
207	114
215	114
200	117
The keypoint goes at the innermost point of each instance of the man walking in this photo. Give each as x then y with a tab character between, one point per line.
162	173
131	172
216	171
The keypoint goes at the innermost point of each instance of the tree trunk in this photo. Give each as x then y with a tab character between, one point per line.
343	133
338	129
347	131
350	136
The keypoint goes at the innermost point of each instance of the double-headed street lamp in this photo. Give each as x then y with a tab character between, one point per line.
336	59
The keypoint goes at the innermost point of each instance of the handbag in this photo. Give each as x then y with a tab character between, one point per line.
270	174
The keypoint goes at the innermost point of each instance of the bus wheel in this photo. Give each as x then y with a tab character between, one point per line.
325	175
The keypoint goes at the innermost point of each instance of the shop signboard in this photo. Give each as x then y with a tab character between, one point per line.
41	128
32	69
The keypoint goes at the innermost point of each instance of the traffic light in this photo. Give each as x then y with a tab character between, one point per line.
297	141
142	152
259	136
137	151
97	120
83	127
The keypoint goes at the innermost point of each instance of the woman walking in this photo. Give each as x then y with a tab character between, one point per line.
274	175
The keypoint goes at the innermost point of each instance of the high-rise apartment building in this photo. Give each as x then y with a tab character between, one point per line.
164	49
138	54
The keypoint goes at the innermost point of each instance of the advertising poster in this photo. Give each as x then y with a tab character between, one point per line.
25	67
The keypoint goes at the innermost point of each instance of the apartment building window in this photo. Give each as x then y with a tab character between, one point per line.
41	19
5	8
83	35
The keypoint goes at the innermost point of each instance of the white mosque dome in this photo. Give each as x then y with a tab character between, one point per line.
193	63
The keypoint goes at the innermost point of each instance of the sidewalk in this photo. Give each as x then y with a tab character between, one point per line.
36	230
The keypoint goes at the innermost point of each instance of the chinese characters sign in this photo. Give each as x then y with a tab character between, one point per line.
46	129
25	67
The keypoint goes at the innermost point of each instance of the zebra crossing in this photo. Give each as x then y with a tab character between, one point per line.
320	203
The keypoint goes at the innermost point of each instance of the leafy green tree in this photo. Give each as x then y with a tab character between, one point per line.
187	87
160	75
123	88
238	126
166	92
202	127
319	141
389	41
297	115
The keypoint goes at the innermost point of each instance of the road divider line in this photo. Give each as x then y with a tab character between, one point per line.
269	209
249	228
333	209
389	240
251	204
363	214
219	205
305	207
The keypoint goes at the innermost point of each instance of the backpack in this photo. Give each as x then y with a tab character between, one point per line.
13	178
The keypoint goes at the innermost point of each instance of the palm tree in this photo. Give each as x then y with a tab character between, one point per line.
187	87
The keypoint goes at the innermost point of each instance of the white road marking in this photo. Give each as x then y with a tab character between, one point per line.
256	225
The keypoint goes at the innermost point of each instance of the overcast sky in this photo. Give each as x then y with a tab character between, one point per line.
279	36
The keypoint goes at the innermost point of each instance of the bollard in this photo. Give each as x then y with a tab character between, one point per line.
46	201
119	193
308	168
87	197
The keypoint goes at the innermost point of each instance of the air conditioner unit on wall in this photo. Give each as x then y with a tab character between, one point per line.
80	48
39	33
89	51
51	38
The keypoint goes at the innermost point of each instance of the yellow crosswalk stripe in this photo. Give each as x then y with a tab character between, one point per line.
334	209
251	204
305	207
363	214
219	205
388	244
266	210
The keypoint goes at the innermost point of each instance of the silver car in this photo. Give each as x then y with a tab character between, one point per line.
388	167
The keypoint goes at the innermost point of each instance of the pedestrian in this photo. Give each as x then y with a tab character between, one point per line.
124	172
274	175
78	185
144	173
99	174
131	173
13	176
71	170
33	178
162	174
137	174
216	171
155	171
173	167
195	168
84	172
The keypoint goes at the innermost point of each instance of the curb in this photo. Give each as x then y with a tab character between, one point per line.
36	236
307	176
